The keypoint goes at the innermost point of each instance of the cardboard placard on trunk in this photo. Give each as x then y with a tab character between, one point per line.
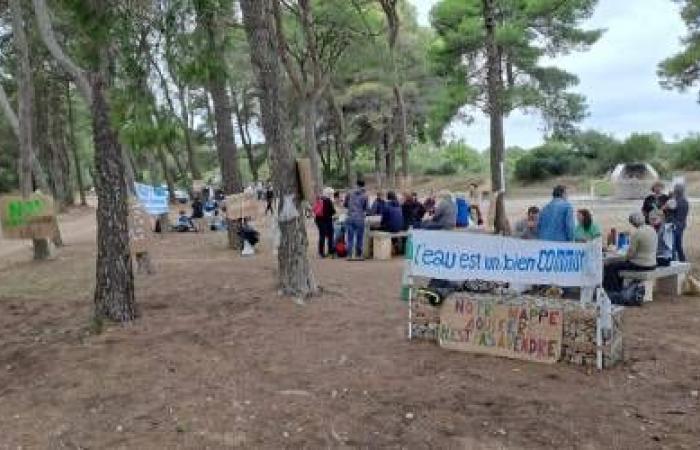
27	218
240	206
306	179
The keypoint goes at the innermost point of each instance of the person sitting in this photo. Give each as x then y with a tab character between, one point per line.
664	233
377	207
556	221
641	255
445	217
463	212
413	211
184	223
586	230
526	228
429	204
392	216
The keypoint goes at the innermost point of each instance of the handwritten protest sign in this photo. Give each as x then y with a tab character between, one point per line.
239	206
525	330
139	227
306	179
154	199
27	218
467	256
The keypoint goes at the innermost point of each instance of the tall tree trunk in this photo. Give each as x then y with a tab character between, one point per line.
390	157
403	131
185	115
56	146
178	164
26	99
162	157
74	147
247	146
225	144
495	110
25	117
114	292
391	12
310	117
340	135
295	275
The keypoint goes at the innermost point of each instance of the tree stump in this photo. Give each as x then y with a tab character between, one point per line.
235	242
43	249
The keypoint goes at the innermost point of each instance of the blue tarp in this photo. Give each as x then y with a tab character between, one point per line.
153	199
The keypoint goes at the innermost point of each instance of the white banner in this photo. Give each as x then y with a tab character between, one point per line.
459	256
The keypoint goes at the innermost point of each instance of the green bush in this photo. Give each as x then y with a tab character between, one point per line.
549	160
685	155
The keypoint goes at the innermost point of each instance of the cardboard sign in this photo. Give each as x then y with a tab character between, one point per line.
306	179
525	330
139	228
456	256
240	206
27	218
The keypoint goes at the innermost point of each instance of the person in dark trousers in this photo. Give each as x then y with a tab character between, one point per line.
197	208
323	215
356	203
654	201
641	255
269	198
677	209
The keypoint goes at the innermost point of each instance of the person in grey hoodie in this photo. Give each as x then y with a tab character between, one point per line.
356	203
445	217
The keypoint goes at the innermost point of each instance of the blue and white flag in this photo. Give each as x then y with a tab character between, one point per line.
153	199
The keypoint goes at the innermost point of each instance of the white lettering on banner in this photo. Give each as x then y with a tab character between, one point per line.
465	256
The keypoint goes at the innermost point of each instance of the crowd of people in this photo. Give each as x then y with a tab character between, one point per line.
342	222
656	239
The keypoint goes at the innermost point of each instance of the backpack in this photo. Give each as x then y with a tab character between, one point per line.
631	295
341	250
318	208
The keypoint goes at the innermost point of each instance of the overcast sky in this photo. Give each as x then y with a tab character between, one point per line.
618	77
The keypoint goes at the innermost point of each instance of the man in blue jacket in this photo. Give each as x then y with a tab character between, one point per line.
556	222
392	215
356	203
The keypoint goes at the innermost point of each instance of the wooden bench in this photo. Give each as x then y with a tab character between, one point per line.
666	280
382	243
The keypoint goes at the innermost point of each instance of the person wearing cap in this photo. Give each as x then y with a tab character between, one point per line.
654	201
324	222
641	255
556	220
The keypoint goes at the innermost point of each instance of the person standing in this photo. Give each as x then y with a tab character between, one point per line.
269	198
323	215
356	203
654	201
556	221
677	209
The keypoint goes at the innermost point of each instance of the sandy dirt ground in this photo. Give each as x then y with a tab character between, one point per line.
218	360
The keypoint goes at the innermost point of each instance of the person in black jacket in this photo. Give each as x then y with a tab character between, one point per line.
656	201
324	213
